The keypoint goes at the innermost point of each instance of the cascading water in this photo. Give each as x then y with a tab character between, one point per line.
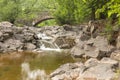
37	74
47	43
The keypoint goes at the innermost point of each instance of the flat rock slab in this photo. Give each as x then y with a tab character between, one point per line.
90	70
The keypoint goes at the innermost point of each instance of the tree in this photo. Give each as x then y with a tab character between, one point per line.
9	10
113	9
22	11
93	5
71	12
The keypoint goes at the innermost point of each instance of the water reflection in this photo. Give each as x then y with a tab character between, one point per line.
10	66
36	74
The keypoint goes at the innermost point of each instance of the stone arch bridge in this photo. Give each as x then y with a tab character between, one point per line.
41	19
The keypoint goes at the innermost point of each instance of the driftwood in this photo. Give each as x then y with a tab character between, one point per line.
38	21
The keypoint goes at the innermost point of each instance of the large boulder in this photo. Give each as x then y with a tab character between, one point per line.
6	24
12	45
116	55
65	42
91	70
6	33
99	72
78	50
29	46
95	47
102	44
69	71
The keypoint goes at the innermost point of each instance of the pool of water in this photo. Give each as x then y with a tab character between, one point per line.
10	64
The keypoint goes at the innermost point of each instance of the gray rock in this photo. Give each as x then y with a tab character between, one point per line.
91	62
6	24
65	42
109	61
68	71
95	47
5	33
85	37
102	44
116	55
92	52
12	45
91	70
78	50
29	46
118	42
99	72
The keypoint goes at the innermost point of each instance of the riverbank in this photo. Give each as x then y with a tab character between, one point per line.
102	60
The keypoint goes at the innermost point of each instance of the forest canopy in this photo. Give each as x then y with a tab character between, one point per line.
64	11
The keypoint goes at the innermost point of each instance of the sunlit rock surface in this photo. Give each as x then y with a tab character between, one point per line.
91	70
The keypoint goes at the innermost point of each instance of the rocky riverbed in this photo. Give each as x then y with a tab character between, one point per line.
101	60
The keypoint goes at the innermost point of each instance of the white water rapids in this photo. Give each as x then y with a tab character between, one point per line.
49	41
47	44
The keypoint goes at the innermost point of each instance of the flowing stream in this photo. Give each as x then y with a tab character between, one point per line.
47	43
23	65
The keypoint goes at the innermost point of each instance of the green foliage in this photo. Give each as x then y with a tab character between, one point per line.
9	10
94	5
112	7
108	31
117	75
77	11
71	12
24	11
48	23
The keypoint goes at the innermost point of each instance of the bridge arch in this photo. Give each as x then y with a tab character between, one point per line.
40	20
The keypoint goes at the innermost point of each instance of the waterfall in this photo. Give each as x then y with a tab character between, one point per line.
47	43
37	74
